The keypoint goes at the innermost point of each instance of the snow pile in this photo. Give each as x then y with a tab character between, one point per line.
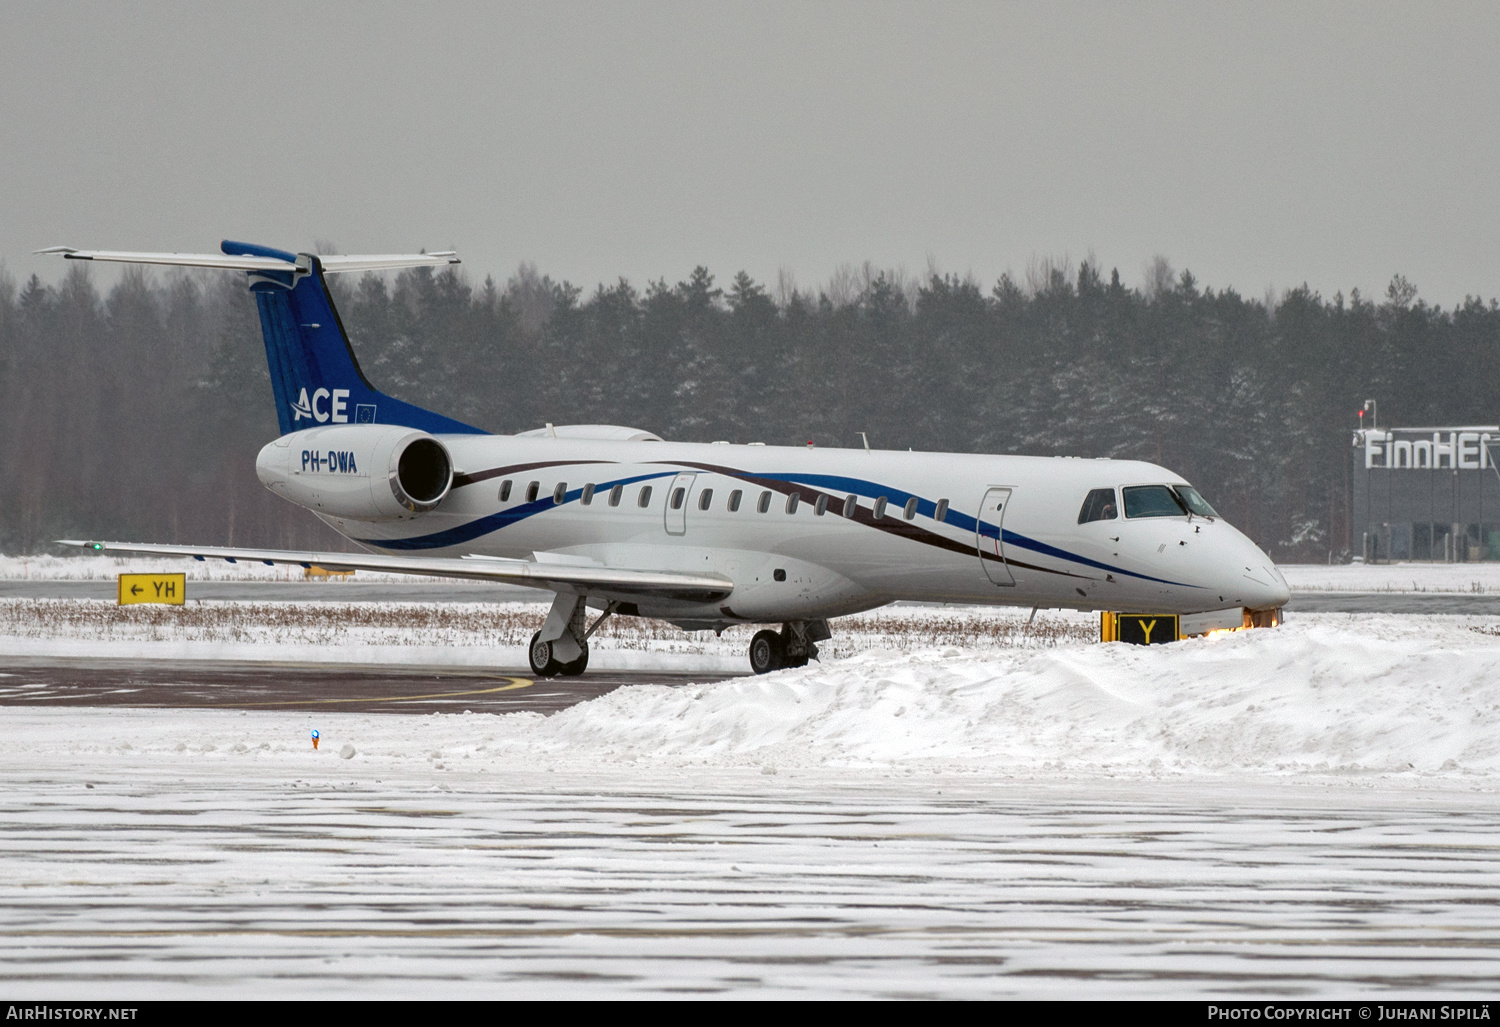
1325	696
1467	578
1314	696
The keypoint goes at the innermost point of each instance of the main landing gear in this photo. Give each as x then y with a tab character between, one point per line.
792	646
562	646
545	665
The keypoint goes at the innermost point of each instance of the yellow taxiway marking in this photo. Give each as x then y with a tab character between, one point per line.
511	686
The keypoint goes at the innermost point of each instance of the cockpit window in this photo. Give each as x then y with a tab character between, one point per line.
1153	501
1099	505
1195	502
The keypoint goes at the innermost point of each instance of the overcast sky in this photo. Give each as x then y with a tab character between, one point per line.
1257	144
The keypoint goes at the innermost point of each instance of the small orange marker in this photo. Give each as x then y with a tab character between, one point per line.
315	738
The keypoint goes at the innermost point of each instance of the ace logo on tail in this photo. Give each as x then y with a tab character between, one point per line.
336	412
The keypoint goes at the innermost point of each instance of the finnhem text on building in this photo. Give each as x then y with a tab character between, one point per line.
1417	449
1426	493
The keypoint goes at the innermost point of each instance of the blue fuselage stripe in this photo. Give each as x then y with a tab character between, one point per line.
496	521
957	518
829	482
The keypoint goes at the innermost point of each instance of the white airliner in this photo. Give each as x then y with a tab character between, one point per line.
705	535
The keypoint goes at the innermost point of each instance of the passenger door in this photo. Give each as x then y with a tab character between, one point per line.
677	503
990	537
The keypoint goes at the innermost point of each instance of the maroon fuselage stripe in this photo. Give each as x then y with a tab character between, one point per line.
805	494
903	529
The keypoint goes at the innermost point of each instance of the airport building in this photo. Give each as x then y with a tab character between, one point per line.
1426	493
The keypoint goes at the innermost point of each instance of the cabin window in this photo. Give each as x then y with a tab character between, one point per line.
678	495
505	491
851	505
645	499
559	493
821	506
941	513
588	494
1099	505
765	502
779	574
1153	501
879	510
792	501
615	494
705	499
1195	502
531	491
910	512
734	500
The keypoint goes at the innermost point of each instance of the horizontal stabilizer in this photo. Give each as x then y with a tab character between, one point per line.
604	582
232	262
307	350
176	259
387	261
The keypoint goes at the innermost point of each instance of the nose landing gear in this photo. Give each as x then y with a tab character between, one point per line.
792	646
766	653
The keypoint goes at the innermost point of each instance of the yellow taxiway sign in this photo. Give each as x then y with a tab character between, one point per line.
153	588
1140	628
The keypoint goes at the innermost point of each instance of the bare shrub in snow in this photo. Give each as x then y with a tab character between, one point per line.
901	628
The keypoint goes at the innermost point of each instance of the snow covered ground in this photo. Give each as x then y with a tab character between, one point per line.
1306	811
343	879
1470	578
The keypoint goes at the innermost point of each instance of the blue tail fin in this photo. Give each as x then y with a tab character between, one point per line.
313	371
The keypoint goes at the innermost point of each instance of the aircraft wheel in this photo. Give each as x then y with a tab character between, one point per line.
540	654
577	667
765	652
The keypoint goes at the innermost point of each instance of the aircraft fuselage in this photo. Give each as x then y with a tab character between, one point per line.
777	522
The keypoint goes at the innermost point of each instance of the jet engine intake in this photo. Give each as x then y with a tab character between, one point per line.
364	472
424	474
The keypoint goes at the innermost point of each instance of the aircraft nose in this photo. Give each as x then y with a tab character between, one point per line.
1274	595
1262	585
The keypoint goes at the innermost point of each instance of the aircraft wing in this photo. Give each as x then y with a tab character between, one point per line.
588	579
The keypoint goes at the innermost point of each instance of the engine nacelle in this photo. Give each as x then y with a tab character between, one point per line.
366	472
